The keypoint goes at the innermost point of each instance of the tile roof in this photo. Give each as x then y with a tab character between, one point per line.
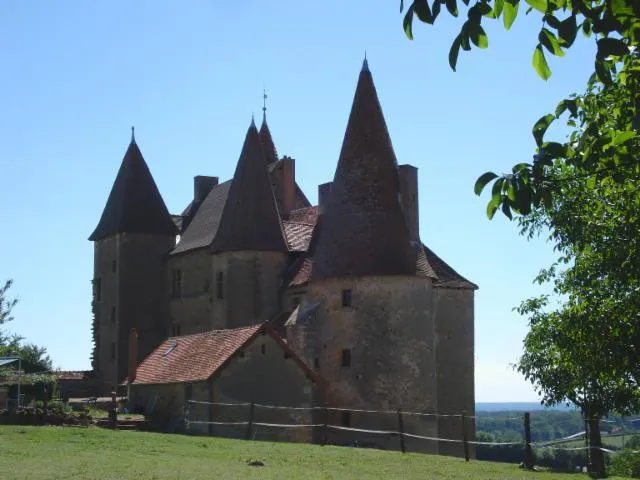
250	218
196	358
447	276
270	152
134	204
298	228
203	227
364	230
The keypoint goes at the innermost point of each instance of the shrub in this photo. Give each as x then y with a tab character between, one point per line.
626	464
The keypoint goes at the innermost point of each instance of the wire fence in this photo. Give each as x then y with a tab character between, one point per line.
325	426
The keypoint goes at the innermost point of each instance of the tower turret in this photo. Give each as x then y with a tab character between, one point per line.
133	236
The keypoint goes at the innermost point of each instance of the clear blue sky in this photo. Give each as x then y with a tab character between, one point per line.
188	75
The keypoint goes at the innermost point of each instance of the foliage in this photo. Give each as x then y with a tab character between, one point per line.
88	453
33	358
6	304
626	464
606	120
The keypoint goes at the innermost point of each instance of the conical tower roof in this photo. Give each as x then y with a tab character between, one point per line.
250	219
134	204
268	146
363	229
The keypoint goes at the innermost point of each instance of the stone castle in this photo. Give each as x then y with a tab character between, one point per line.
347	283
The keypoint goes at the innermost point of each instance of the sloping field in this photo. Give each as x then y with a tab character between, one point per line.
91	453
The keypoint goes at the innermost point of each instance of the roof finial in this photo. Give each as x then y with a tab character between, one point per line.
133	134
253	120
264	105
365	64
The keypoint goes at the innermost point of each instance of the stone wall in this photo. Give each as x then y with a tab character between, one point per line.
191	311
454	319
389	333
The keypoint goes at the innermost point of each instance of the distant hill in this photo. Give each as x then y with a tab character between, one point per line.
518	407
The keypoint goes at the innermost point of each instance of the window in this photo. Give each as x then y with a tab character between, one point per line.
114	266
207	285
176	283
113	351
175	331
113	314
346	357
263	349
220	285
316	362
97	289
346	419
346	298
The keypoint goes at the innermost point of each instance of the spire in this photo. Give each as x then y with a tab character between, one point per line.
250	219
365	64
134	204
364	230
133	134
268	146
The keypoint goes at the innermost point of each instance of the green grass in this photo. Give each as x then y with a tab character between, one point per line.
90	453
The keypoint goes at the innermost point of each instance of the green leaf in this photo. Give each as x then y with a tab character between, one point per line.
611	46
586	28
553	149
623	137
541	127
491	210
407	23
567	31
482	182
540	63
423	11
507	211
602	71
550	42
452	6
567	104
478	36
496	11
511	192
435	9
510	12
591	181
520	166
453	52
540	5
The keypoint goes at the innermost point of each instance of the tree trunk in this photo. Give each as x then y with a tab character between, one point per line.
595	443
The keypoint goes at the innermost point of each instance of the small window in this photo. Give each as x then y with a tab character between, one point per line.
176	283
346	419
346	298
113	351
316	362
346	357
113	314
220	285
97	289
114	266
263	349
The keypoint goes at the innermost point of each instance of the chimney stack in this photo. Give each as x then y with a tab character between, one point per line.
202	185
133	355
408	175
288	185
324	190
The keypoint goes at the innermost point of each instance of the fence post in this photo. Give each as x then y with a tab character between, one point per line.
401	431
325	428
113	412
465	438
186	415
250	424
528	452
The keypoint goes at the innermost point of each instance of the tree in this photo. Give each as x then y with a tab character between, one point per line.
586	349
6	304
616	27
13	345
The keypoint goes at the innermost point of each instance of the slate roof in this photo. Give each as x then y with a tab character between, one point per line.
203	227
270	152
364	230
250	218
134	204
298	227
196	358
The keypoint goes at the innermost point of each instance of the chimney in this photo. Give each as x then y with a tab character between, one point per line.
288	185
133	355
202	185
408	175
324	190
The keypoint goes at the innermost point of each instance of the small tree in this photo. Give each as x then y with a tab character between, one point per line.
6	303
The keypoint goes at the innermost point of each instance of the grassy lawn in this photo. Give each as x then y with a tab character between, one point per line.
79	453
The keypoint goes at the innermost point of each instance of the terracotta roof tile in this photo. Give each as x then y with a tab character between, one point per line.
194	358
298	235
